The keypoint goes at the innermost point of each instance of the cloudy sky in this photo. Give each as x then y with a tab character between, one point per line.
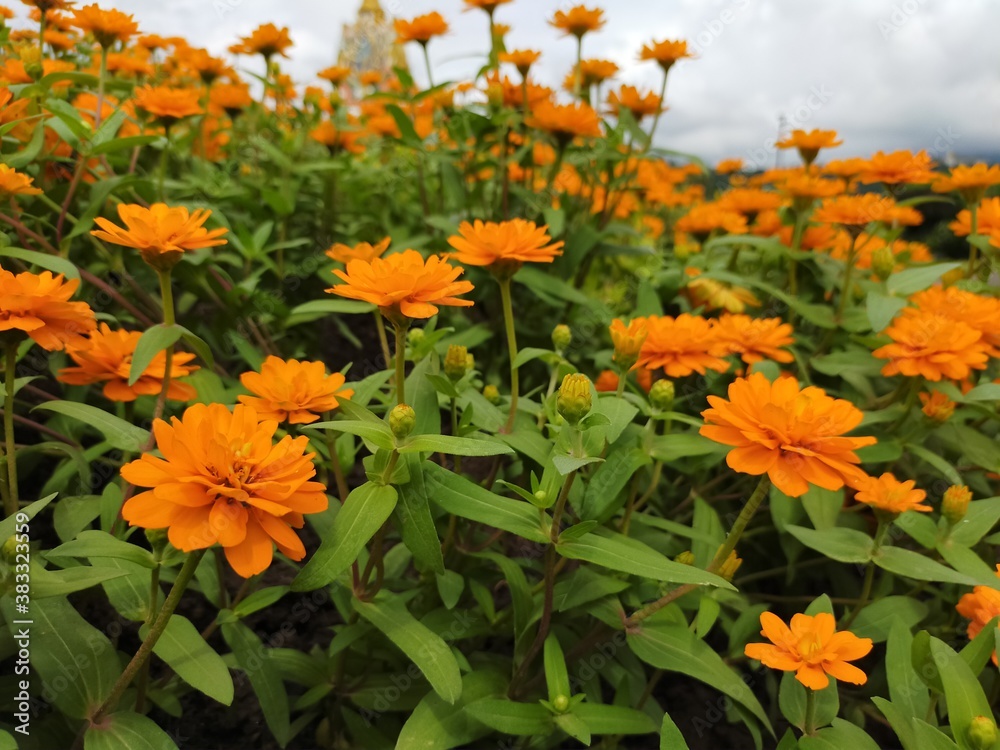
887	74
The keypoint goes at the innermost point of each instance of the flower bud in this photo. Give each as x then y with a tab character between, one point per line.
560	703
157	537
31	58
457	362
414	336
728	568
574	400
955	503
883	262
541	496
982	733
685	558
402	420
661	395
491	394
9	550
562	337
628	341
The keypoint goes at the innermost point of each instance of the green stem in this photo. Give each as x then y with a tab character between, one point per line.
102	74
10	497
164	161
656	117
508	321
167	299
427	63
338	471
156	630
845	291
622	378
809	725
633	507
454	431
383	340
151	614
401	361
973	231
720	557
866	587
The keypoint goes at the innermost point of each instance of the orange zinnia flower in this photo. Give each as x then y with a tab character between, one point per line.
845	169
578	20
987	219
665	53
975	310
208	68
107	358
937	406
337	139
682	345
729	166
794	436
630	98
160	233
969	181
362	251
888	494
932	346
756	339
45	6
628	341
749	201
979	607
809	143
812	648
607	382
232	98
420	29
858	210
488	5
503	246
223	480
404	284
898	167
592	73
706	218
167	103
14	183
335	74
293	391
38	305
267	40
566	121
522	59
107	26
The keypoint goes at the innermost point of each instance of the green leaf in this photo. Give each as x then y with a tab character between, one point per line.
962	692
679	445
676	649
900	721
97	544
436	725
508	717
610	478
566	465
944	468
619	552
843	545
422	646
127	730
602	719
123	144
455	446
121	434
906	689
575	727
882	309
259	600
460	497
45	583
62	641
415	520
53	263
556	674
984	392
320	308
255	661
843	734
930	738
153	341
9	525
792	701
979	520
917	279
823	506
670	736
377	433
199	345
364	512
876	620
911	564
186	652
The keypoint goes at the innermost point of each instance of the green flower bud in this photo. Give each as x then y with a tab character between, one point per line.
685	558
574	400
414	336
562	337
560	703
491	394
955	503
883	262
157	537
541	496
402	420
9	550
661	395
457	362
982	733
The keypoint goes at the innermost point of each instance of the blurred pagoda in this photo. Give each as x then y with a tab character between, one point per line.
369	44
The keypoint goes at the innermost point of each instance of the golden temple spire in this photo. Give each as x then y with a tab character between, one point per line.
370	42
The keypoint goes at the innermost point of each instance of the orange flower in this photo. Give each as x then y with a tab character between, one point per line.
578	20
845	169
866	247
14	183
232	98
522	59
337	139
812	648
607	382
706	218
628	341
987	219
223	480
293	391
160	233
640	105
898	167
503	246
488	5
592	73
665	53
809	143
337	75
932	346
107	26
749	201
756	339
404	284
267	40
858	210
107	358
38	305
794	436
166	103
729	166
208	68
969	181
682	345
937	406
974	310
806	188
45	6
362	251
981	606
420	29
888	494
566	121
